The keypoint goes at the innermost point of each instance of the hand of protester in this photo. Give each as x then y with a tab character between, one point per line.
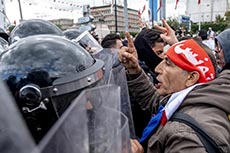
142	24
128	56
169	34
136	146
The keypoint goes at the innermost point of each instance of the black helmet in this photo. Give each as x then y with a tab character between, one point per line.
71	33
33	27
45	73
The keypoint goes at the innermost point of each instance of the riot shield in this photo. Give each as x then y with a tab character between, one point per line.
115	74
3	44
14	136
107	56
89	43
91	124
121	81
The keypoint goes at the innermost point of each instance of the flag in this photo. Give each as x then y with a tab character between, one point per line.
177	1
160	5
143	9
198	1
153	124
164	113
139	13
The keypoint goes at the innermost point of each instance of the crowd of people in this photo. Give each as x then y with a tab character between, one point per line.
179	82
174	91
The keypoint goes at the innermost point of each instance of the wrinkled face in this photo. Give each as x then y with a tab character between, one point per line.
159	49
171	77
219	55
118	44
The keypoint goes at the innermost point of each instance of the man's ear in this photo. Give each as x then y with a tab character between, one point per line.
193	78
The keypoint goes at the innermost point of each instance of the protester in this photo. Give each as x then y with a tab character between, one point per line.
180	32
149	47
203	35
211	33
222	50
112	41
185	85
151	39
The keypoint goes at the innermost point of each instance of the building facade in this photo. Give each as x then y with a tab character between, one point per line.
207	10
106	15
63	24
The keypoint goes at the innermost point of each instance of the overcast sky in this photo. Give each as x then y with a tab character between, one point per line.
48	9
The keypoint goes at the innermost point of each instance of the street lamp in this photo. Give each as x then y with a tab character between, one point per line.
20	9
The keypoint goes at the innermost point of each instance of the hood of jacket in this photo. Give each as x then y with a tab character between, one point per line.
144	51
223	38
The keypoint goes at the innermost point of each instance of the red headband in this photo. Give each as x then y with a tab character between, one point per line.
189	56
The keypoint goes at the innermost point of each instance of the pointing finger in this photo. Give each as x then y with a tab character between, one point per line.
130	40
166	25
163	29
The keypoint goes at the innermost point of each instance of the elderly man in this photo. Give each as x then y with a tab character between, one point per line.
185	85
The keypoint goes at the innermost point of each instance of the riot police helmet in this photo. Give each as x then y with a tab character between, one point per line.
33	27
44	74
71	33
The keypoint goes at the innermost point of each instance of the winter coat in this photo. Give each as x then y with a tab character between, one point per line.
148	60
208	104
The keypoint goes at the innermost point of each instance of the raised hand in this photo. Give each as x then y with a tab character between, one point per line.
169	34
128	56
142	24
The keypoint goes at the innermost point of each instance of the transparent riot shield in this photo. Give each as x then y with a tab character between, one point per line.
3	44
115	74
92	124
125	107
89	43
14	136
107	56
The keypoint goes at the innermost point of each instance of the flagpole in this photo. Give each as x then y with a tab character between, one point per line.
20	9
116	16
152	14
126	15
